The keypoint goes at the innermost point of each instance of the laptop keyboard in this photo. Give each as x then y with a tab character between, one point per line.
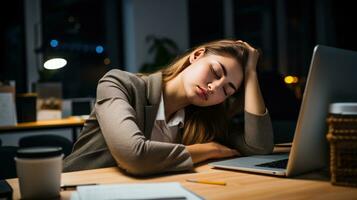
276	164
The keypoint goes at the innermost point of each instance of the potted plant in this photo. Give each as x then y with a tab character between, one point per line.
163	49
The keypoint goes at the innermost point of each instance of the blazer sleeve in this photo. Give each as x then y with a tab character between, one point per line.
254	137
129	147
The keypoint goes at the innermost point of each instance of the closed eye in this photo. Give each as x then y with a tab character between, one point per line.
225	92
214	73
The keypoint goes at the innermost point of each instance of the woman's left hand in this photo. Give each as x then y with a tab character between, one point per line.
253	100
253	56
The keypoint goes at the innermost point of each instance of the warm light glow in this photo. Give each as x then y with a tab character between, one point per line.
296	79
106	61
291	79
55	63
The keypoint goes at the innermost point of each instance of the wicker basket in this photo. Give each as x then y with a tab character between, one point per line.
342	136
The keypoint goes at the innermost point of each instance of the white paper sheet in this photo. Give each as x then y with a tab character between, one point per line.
153	191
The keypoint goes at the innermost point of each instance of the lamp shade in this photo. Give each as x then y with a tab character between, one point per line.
55	63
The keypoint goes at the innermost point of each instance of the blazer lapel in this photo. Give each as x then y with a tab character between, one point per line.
150	115
153	94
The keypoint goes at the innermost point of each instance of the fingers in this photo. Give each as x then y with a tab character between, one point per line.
223	151
235	152
229	153
244	43
252	51
247	45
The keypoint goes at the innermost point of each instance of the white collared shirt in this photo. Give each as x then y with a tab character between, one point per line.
167	132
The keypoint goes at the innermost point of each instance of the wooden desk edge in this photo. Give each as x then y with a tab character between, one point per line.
59	123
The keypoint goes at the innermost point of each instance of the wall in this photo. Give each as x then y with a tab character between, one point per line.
168	18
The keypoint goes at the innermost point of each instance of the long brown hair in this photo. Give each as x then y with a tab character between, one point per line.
204	124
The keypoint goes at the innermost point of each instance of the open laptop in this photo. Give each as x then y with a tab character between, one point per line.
332	78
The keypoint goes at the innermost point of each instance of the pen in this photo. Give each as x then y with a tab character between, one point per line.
206	181
66	187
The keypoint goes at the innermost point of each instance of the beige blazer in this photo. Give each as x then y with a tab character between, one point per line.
119	128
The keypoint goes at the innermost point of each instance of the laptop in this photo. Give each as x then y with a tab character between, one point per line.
332	78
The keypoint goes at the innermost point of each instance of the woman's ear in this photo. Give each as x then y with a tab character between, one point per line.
198	53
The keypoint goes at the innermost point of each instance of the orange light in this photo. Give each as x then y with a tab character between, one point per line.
296	79
106	61
289	79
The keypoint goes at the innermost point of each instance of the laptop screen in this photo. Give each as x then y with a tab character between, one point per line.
331	78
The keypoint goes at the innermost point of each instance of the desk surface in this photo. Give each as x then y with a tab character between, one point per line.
239	185
47	124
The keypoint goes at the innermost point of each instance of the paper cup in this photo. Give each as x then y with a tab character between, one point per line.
39	171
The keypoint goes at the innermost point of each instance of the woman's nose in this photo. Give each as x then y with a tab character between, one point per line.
212	87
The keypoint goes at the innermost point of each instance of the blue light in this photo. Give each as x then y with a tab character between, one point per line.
54	43
99	49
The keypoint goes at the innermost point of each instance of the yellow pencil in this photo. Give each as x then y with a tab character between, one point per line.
206	181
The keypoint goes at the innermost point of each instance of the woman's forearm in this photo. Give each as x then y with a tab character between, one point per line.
211	150
254	102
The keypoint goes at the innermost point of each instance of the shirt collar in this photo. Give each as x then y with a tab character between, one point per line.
176	120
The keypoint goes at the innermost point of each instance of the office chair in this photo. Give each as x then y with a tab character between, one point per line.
7	166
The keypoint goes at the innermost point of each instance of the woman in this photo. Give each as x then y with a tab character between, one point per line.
175	118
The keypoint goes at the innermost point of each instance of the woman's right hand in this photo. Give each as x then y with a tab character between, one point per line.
210	150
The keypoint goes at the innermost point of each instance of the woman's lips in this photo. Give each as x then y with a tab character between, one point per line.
202	93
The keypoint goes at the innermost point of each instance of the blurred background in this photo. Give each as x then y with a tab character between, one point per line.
95	36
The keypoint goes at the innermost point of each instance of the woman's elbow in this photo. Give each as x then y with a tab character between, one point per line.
257	148
267	145
136	165
136	171
268	148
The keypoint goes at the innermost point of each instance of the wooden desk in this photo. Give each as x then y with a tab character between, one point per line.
71	122
239	185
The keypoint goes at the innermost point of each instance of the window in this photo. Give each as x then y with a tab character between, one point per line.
206	21
88	35
12	40
255	23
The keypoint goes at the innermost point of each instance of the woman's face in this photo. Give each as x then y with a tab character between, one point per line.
210	79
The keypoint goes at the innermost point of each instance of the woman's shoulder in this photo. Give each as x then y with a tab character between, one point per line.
119	73
122	76
132	80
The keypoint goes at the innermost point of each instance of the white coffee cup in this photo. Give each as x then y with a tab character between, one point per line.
39	171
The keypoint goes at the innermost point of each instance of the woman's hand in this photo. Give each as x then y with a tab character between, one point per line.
211	150
221	151
253	56
253	100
